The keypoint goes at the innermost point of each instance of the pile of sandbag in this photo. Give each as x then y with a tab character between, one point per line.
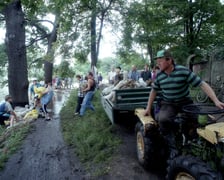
26	114
109	93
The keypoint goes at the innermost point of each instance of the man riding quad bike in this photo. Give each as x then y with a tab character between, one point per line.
173	82
198	145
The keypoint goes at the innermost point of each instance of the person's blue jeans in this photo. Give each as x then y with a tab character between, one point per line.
87	103
79	103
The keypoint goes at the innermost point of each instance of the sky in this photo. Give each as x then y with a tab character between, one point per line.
108	45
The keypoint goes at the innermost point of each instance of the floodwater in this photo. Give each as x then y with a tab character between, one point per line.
60	98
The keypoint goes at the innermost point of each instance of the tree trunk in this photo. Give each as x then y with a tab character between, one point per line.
48	64
48	70
93	40
16	51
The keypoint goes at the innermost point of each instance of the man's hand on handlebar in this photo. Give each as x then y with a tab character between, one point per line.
219	104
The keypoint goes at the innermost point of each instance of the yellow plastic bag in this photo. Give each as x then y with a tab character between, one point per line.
39	91
31	115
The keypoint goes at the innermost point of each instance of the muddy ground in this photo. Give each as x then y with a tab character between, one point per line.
44	155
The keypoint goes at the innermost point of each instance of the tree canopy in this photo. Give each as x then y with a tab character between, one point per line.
185	26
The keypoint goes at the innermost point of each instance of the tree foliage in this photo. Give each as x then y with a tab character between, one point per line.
75	28
185	26
64	70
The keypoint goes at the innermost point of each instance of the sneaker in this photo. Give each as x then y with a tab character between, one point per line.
76	114
47	119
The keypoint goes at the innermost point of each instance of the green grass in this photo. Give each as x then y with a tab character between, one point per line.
10	141
90	135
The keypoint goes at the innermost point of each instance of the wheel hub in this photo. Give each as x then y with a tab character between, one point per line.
140	145
184	176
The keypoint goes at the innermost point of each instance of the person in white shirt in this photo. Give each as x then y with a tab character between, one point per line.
111	75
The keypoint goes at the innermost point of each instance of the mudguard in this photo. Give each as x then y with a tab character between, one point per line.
147	121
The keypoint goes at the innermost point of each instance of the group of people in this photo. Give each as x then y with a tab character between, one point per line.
62	83
147	75
39	94
171	80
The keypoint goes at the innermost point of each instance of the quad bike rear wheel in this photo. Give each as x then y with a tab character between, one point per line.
190	168
149	149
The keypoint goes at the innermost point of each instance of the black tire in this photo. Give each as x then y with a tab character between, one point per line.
150	152
192	168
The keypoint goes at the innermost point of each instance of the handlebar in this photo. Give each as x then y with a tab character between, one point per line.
202	109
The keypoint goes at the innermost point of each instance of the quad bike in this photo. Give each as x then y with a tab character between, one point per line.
199	144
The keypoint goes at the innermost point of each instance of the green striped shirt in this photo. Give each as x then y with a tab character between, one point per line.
175	87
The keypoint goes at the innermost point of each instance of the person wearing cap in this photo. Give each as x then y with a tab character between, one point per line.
7	112
34	84
89	92
173	82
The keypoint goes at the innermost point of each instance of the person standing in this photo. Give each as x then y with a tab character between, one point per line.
173	82
46	99
7	112
89	92
154	71
133	74
34	85
80	94
119	76
146	75
111	75
100	78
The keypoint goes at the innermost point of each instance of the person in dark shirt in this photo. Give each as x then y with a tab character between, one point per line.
146	74
89	92
119	76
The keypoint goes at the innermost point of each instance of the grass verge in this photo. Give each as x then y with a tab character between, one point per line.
90	135
11	140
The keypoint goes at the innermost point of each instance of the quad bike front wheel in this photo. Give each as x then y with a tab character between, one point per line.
190	168
149	149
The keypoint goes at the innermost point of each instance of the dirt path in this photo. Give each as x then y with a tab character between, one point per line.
44	155
125	165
